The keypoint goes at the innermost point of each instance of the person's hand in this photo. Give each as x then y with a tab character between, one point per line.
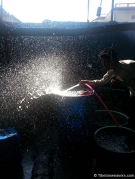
83	82
116	82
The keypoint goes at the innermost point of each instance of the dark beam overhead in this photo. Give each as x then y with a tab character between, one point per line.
9	31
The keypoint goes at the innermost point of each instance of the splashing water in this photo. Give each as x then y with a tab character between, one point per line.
53	90
22	82
38	65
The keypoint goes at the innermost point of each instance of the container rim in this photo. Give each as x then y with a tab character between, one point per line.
98	124
63	95
114	112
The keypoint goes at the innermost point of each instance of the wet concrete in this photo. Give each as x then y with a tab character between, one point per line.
52	163
45	160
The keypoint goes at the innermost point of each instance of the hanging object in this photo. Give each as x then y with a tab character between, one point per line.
99	9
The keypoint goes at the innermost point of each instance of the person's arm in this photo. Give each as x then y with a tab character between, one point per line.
106	78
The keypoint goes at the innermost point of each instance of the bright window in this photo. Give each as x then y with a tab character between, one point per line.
36	11
40	10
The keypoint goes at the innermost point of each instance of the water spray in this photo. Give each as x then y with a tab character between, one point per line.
70	88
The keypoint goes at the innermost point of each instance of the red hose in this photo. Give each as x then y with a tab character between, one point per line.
103	105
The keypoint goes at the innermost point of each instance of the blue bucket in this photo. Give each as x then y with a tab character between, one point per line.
10	149
75	118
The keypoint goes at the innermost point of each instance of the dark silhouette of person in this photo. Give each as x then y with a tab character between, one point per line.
124	73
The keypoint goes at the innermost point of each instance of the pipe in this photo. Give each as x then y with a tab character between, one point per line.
112	9
88	11
100	3
1	10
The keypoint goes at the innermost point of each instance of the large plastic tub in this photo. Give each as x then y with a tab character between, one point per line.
115	149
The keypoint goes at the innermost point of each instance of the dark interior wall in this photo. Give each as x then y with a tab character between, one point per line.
21	49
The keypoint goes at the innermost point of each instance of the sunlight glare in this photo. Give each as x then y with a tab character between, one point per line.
40	10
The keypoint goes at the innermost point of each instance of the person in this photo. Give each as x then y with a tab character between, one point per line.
124	73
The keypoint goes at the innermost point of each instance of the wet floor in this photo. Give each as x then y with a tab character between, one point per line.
44	156
45	160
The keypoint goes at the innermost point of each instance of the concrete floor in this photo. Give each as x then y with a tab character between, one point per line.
43	159
46	161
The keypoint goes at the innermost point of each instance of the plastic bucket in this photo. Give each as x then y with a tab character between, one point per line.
75	119
115	149
10	149
103	118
